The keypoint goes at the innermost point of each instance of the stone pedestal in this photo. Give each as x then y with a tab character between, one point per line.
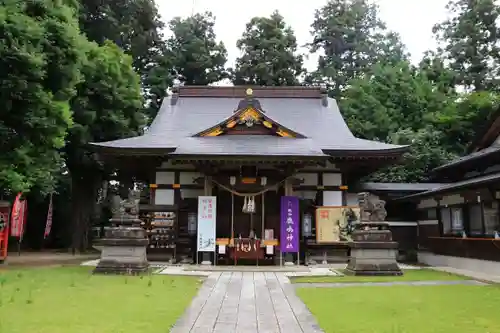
373	253
288	258
205	258
123	248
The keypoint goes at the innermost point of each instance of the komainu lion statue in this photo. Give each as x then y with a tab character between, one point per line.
128	208
372	209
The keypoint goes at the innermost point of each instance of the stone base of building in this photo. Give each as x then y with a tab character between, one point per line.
373	258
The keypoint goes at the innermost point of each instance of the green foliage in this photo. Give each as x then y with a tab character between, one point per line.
109	103
352	39
40	57
134	25
469	42
401	105
426	153
269	54
194	51
108	106
389	98
436	71
461	119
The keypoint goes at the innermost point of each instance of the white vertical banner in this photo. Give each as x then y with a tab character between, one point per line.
206	223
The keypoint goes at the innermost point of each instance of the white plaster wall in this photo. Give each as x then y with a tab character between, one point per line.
164	177
164	197
427	203
329	166
332	198
332	179
310	179
451	200
165	165
305	194
186	178
191	193
483	266
351	199
170	165
428	222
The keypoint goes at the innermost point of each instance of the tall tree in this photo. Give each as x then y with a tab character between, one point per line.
108	106
352	38
392	104
469	42
426	153
195	53
461	118
40	58
136	27
389	98
269	53
436	70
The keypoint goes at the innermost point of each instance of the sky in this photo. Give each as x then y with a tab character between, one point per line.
412	19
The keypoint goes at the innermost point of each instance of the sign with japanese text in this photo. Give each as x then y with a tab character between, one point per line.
207	206
332	223
327	224
289	234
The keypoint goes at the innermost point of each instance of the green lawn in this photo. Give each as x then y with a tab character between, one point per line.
405	309
408	275
71	300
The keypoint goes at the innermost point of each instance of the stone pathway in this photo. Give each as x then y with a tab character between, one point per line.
46	258
470	273
247	302
387	284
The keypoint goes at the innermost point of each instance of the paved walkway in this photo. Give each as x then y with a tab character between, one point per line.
247	302
472	274
46	258
386	284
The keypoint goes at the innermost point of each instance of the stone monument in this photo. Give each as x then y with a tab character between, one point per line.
373	252
124	244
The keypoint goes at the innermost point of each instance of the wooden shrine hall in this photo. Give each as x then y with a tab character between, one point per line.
222	162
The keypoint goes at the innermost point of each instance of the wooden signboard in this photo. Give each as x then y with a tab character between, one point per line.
330	221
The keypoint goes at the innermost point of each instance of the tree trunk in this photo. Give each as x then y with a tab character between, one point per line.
84	199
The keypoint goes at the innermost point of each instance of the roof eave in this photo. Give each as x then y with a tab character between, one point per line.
446	189
143	151
390	152
248	156
456	164
483	133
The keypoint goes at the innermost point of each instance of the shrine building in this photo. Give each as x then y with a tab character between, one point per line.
247	147
458	222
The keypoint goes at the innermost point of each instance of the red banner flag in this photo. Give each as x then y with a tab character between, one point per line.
48	224
18	217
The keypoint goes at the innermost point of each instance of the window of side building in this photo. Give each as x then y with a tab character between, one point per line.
491	217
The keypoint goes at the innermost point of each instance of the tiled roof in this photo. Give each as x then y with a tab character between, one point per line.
464	184
245	145
469	158
305	113
403	187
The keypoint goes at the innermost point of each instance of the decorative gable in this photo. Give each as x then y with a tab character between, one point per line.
249	119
